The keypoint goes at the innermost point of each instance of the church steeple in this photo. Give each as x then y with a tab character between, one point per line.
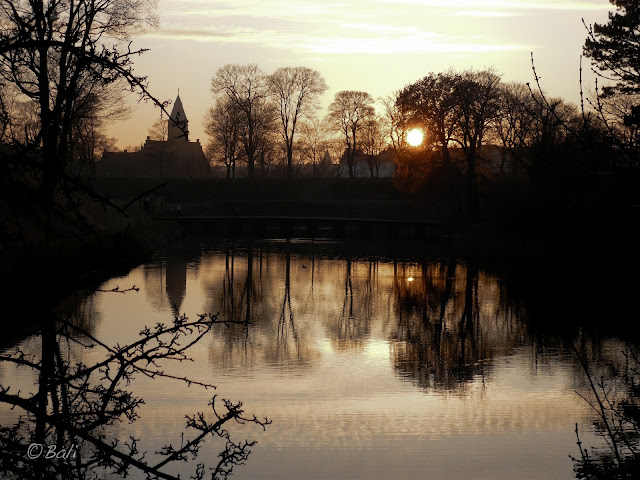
178	124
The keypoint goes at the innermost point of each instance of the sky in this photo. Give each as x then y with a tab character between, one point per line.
378	46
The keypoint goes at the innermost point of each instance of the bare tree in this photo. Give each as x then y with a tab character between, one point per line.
296	91
393	121
314	141
58	53
246	88
223	123
555	123
621	115
87	138
372	143
265	135
347	114
24	122
514	124
477	101
7	107
159	130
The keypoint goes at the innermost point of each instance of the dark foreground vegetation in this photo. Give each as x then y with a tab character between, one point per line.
517	177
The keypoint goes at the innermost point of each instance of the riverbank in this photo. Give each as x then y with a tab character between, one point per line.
83	247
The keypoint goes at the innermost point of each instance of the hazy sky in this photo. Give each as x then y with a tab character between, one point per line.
377	46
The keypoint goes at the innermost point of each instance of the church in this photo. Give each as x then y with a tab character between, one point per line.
175	157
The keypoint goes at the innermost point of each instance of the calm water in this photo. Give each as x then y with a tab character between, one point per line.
368	367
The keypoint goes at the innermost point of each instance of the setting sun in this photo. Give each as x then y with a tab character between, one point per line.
415	137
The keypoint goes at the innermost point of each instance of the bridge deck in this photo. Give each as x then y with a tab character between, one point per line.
294	218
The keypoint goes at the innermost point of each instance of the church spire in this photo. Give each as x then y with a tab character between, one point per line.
178	122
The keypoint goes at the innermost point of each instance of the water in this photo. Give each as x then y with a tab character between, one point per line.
368	367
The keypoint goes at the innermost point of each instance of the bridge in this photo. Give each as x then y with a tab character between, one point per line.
403	227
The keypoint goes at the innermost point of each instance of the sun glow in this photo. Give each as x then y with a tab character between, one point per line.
415	137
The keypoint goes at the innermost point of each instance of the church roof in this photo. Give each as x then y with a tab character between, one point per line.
177	113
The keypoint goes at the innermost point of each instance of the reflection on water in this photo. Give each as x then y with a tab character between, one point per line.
369	367
442	322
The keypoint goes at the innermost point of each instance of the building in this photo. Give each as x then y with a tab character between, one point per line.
382	165
175	157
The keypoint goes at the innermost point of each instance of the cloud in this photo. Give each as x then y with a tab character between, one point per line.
478	5
338	27
359	41
191	34
485	13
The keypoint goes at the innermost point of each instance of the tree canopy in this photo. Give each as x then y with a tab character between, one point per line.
296	91
347	114
614	47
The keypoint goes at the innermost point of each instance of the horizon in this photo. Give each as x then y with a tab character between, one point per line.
378	48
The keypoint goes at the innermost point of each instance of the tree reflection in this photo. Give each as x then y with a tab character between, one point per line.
74	407
257	289
236	302
286	324
446	320
450	325
350	328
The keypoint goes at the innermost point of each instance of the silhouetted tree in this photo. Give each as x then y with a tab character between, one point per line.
560	138
87	137
477	102
267	151
223	123
314	141
5	112
431	104
514	124
347	115
23	122
58	54
394	122
621	115
158	130
614	47
246	87
372	143
296	91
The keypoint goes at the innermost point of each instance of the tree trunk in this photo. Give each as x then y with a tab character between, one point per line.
473	186
289	161
250	167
